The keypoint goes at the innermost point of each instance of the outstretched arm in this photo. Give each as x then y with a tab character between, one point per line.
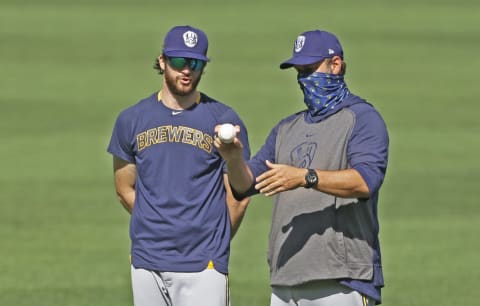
125	174
346	183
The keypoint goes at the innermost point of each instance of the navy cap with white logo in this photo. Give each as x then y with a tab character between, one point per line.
313	46
186	41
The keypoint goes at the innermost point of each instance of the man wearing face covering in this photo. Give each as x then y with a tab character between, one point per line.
323	167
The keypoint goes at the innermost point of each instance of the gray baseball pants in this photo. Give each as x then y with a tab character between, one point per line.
206	288
318	293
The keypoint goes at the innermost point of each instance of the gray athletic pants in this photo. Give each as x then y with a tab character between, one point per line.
318	293
206	288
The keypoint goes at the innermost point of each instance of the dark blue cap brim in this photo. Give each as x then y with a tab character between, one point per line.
300	60
178	53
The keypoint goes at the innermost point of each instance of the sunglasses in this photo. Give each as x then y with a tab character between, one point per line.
181	62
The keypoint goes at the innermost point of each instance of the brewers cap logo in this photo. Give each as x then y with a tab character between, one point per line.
190	39
299	43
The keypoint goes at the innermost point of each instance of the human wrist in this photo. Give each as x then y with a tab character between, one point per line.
311	178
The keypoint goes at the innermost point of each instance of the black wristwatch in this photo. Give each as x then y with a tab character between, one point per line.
311	178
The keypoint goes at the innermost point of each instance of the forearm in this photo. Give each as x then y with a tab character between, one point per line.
127	198
342	183
236	208
240	175
237	211
125	174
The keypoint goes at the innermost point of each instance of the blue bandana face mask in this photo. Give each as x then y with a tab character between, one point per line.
322	91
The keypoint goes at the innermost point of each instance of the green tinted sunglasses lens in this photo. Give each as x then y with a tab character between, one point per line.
180	62
196	64
177	62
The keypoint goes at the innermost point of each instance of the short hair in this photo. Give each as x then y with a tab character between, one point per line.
157	67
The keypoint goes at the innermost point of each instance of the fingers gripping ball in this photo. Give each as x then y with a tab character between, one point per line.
227	133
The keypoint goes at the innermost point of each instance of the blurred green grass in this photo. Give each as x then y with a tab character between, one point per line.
69	67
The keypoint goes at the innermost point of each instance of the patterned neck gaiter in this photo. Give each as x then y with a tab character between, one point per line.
322	91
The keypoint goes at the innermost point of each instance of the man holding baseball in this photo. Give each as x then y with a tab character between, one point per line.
172	180
324	167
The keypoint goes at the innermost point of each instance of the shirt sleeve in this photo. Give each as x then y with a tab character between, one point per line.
121	144
368	147
267	152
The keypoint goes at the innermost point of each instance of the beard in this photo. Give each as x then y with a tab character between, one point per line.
172	80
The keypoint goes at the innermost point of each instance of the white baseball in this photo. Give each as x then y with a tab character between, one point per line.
227	133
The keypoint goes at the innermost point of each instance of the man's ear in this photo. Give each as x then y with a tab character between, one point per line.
336	64
161	61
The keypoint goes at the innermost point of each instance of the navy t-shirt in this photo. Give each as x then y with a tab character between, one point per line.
180	219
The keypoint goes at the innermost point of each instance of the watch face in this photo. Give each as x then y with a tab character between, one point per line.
311	178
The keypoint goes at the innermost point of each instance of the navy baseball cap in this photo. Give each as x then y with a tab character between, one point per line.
313	46
186	41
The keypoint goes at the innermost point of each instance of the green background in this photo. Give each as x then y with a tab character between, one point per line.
68	67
